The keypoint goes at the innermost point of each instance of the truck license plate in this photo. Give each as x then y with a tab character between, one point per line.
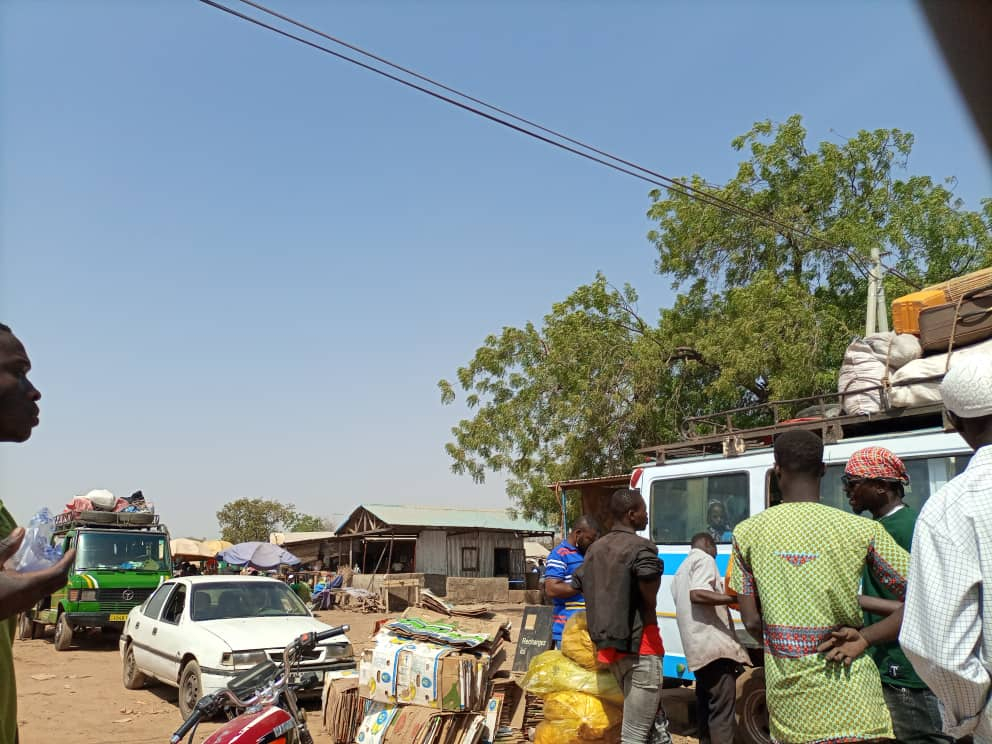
118	618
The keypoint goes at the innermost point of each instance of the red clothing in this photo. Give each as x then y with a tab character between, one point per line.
651	645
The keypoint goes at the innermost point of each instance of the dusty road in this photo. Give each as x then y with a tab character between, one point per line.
77	696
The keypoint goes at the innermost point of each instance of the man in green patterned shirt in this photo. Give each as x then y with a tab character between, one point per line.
18	592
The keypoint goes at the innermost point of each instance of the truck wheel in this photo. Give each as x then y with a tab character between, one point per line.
63	633
133	678
752	708
190	688
27	630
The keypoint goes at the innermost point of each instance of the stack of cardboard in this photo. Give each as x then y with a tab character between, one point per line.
428	680
431	601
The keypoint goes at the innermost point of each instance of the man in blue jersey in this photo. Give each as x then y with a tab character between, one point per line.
562	562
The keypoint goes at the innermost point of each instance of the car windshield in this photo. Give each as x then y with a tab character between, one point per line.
125	551
230	599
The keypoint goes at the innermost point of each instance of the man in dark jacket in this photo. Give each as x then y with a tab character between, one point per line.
620	580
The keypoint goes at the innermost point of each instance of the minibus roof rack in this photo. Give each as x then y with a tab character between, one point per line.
722	432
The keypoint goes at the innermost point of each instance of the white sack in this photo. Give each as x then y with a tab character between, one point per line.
101	499
906	394
861	369
896	349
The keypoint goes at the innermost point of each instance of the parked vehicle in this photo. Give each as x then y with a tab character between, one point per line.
120	560
265	695
198	633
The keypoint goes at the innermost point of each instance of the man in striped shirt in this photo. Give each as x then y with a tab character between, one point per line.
562	562
947	627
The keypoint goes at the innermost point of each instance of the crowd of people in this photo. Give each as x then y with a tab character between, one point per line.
854	649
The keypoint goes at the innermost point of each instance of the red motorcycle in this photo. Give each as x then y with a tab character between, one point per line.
267	699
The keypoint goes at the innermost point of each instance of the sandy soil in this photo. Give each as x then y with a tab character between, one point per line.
77	696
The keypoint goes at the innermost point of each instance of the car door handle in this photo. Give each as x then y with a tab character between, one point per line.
137	625
154	631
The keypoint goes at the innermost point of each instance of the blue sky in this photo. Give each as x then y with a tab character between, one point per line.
240	266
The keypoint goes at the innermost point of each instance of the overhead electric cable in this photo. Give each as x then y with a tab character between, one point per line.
662	181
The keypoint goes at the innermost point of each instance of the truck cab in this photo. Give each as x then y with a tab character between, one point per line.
120	560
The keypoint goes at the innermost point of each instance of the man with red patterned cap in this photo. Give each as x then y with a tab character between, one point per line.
874	481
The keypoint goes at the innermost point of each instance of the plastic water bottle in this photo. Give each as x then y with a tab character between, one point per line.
36	551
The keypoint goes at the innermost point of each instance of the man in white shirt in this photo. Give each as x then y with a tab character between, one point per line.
947	627
712	651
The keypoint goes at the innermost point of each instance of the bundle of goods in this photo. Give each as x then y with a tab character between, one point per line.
101	501
343	708
431	601
908	309
582	702
468	633
427	680
953	320
867	364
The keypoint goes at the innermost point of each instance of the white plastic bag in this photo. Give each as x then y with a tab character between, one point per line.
101	499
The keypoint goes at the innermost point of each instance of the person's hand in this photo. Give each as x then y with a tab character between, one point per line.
21	591
10	544
843	646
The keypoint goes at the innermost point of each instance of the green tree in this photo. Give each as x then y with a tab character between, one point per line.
246	520
308	523
770	310
765	312
571	398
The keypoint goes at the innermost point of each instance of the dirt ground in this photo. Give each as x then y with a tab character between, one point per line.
77	695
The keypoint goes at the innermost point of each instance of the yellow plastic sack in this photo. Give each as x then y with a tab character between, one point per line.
552	671
576	643
557	732
590	716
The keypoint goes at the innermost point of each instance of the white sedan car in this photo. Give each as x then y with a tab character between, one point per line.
196	633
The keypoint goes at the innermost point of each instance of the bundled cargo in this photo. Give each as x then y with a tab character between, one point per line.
918	383
405	672
552	671
906	310
576	643
867	365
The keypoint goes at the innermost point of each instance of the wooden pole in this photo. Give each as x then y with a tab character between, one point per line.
365	550
389	563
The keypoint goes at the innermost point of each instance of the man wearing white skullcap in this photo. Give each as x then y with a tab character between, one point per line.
947	627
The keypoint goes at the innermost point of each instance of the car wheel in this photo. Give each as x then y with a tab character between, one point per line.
27	629
752	708
132	677
190	688
63	633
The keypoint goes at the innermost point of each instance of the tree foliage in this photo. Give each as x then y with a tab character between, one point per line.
247	520
764	311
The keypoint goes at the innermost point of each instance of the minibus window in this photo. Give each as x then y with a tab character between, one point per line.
927	475
681	507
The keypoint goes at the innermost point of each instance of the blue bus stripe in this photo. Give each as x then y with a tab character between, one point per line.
674	560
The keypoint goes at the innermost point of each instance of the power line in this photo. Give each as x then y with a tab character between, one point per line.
627	167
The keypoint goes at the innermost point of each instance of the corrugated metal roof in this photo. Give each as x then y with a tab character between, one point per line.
449	516
290	538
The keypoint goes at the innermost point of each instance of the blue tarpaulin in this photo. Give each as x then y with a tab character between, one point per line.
260	555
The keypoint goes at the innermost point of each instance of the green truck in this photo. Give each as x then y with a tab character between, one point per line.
121	558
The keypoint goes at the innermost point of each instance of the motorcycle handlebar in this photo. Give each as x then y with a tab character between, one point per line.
312	639
194	718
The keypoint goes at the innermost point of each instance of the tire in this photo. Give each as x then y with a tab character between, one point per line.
190	688
63	633
131	676
752	708
27	629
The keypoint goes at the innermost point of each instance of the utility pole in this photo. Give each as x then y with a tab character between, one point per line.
877	316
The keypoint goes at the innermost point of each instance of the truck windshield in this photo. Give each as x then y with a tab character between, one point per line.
127	551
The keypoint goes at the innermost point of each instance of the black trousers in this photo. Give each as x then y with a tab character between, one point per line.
716	695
